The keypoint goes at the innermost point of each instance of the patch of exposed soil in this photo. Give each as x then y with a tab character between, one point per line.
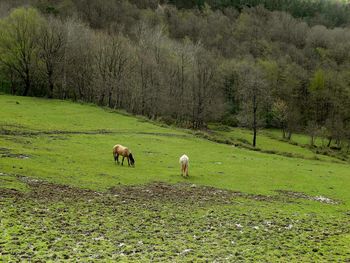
45	191
157	191
10	193
29	133
321	199
175	193
4	131
6	153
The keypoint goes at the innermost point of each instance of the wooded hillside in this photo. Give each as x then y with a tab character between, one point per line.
187	62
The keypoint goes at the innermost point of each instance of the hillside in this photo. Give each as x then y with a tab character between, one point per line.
60	190
55	134
282	64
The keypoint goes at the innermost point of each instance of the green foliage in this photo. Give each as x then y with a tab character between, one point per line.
183	65
18	47
328	12
317	82
18	32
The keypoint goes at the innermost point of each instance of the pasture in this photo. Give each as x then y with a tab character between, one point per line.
63	198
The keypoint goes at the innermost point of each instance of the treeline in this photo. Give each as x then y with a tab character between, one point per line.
250	67
326	12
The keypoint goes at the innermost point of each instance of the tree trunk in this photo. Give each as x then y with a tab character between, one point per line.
329	141
26	88
27	84
289	135
110	99
338	142
254	120
254	137
101	100
143	102
50	84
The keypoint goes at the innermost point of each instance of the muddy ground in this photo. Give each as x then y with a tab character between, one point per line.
161	222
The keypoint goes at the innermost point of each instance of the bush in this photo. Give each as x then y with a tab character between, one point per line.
230	120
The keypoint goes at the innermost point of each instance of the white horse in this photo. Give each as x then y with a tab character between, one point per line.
184	162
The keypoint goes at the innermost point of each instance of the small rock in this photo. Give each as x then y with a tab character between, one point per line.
186	251
290	226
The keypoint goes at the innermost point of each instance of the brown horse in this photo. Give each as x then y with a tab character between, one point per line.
123	151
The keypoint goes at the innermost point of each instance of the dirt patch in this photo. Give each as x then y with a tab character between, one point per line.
45	191
10	193
31	133
4	131
189	193
321	199
163	134
54	192
178	193
158	191
6	153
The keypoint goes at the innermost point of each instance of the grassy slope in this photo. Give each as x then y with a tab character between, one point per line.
271	140
85	161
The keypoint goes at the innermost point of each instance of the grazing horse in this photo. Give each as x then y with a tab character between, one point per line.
123	151
184	161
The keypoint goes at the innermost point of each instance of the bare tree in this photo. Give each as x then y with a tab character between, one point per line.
254	96
51	43
113	66
206	89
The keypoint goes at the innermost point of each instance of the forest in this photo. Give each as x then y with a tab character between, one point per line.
248	63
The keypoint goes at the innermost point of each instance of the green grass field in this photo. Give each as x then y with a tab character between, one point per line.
63	198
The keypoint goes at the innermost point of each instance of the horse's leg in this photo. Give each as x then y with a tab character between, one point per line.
123	160
117	158
186	169
128	160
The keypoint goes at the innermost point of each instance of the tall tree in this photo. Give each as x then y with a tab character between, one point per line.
51	42
254	96
18	44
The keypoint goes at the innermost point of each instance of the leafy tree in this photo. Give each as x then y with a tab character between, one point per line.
18	44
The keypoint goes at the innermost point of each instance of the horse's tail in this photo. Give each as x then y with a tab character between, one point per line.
186	169
131	157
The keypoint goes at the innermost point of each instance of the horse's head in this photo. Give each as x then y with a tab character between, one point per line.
132	160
